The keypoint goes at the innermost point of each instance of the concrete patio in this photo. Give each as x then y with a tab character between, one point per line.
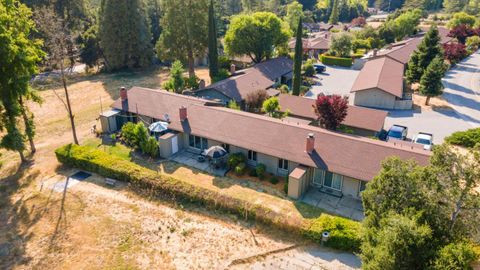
190	159
345	206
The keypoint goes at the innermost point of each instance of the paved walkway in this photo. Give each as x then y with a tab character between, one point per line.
462	89
304	258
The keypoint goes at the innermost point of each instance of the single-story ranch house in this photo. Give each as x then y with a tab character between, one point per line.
380	83
363	121
266	75
309	156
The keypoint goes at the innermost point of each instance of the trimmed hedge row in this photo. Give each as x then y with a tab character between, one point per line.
344	233
336	61
469	138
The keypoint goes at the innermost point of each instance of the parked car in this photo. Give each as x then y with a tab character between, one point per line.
319	68
424	138
397	132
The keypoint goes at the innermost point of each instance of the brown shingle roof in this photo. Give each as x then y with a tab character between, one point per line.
357	117
261	76
351	156
383	73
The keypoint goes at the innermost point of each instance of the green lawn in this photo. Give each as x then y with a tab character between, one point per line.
119	149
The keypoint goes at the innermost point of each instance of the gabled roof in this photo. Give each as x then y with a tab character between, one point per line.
260	76
358	117
351	156
383	73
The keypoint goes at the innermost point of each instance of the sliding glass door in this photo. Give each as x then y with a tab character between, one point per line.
327	179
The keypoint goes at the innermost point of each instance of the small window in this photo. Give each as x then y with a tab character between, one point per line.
191	141
197	142
252	155
283	164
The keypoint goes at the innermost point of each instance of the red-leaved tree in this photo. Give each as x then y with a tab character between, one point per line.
454	52
331	110
359	21
461	33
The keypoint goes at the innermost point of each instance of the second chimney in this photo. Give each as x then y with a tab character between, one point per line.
183	113
233	69
123	94
310	146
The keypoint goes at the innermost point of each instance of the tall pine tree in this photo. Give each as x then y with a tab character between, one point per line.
184	31
334	16
212	43
431	81
297	65
125	35
427	50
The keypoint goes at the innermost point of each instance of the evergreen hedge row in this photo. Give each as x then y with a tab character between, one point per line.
336	61
469	138
344	233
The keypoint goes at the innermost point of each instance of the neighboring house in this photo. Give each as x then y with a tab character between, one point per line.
363	121
309	156
380	84
263	76
315	45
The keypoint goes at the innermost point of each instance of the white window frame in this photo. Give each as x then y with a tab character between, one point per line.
281	168
252	157
202	142
323	174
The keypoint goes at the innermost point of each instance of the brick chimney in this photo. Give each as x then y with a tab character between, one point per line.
123	94
375	52
310	146
183	113
233	69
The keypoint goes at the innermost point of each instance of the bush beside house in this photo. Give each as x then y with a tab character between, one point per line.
344	232
336	61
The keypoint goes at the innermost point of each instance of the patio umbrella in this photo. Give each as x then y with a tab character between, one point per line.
158	127
215	152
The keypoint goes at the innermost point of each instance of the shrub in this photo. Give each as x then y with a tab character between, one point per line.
274	180
469	138
260	170
222	75
455	256
191	82
308	68
232	104
252	173
240	168
336	61
224	62
128	134
284	89
285	186
344	233
235	159
254	100
150	147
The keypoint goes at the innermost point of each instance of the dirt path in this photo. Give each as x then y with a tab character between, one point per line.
94	227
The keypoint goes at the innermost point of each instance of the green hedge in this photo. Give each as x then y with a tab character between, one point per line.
344	232
336	61
469	138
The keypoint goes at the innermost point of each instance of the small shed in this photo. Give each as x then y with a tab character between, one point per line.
109	121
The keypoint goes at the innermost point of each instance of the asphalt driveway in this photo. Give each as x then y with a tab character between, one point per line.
462	89
441	122
336	80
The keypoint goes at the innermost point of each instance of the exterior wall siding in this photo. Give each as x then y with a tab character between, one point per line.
374	98
350	187
213	94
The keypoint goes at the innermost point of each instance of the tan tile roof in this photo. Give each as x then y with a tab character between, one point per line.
260	76
351	156
357	117
383	73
